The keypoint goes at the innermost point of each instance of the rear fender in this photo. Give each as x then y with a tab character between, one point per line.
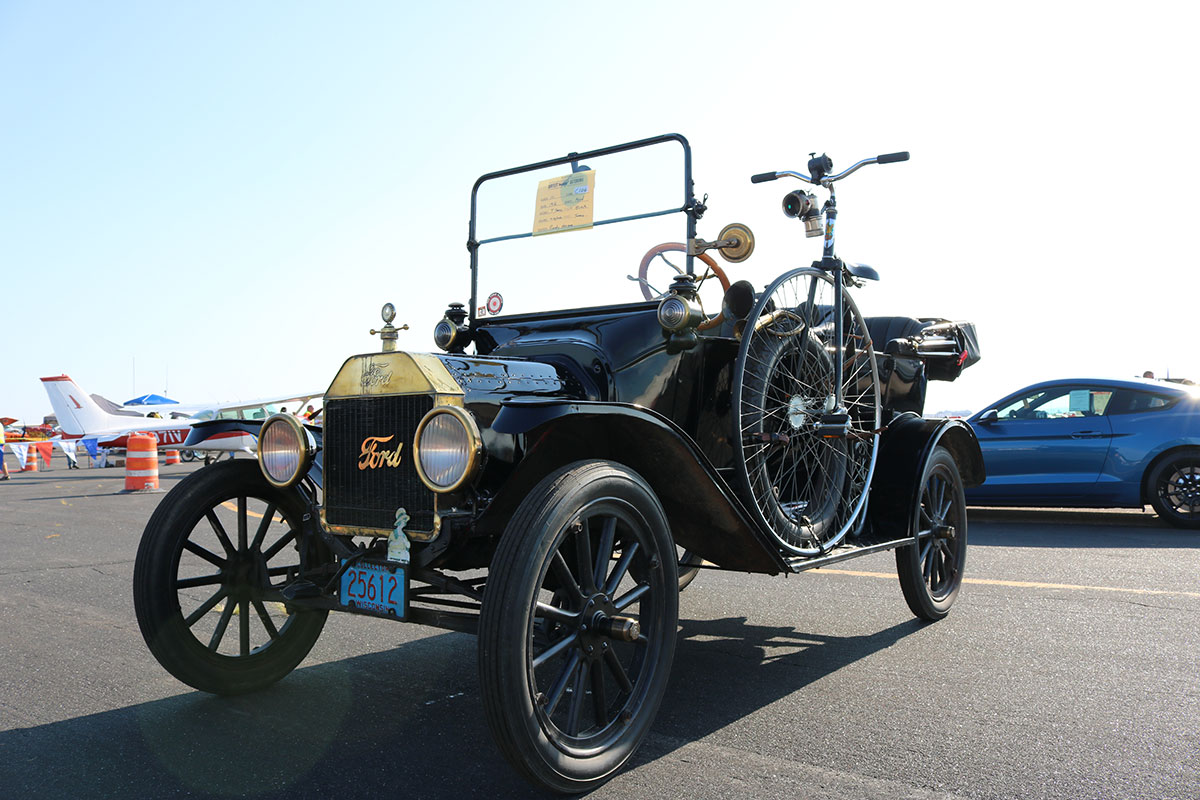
705	516
904	448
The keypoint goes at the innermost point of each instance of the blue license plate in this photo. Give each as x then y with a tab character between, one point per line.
377	588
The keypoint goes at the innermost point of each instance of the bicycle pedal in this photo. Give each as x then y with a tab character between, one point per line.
833	426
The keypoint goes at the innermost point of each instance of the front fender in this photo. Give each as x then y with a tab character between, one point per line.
904	448
202	432
209	429
705	516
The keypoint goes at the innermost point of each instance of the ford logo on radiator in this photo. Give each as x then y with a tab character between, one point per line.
372	456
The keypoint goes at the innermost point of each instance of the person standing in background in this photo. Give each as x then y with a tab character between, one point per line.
3	463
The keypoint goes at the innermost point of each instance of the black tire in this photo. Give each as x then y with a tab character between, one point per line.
1174	489
689	567
198	555
809	490
931	569
188	456
587	554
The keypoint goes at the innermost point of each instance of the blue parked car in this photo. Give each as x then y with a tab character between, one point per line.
1094	443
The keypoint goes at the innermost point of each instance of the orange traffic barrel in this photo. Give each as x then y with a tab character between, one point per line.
31	460
172	457
141	463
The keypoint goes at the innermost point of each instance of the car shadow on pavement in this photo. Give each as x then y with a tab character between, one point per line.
406	722
726	669
1005	527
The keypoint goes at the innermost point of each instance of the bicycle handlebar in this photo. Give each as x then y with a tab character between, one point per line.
887	158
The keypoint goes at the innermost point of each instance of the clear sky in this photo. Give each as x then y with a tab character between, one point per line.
214	199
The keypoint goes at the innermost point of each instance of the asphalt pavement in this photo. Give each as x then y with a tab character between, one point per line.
1067	669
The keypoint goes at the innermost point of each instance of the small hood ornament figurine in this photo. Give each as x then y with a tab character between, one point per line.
389	333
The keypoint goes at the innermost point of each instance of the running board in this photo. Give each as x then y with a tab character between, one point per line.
844	552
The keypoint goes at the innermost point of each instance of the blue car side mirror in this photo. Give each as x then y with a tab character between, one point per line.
988	417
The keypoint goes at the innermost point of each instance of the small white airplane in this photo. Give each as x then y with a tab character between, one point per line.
81	417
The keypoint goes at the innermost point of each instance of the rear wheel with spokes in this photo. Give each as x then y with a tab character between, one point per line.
931	568
208	577
577	631
804	462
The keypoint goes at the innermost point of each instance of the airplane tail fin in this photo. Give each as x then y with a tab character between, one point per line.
78	414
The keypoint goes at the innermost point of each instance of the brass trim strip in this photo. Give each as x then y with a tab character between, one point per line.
356	530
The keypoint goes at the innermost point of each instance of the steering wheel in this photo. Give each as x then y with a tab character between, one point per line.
677	247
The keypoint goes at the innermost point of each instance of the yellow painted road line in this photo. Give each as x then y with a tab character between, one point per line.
1023	584
249	513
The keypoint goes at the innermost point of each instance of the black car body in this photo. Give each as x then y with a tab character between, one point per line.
534	490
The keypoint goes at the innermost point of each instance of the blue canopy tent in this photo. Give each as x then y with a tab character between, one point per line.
150	400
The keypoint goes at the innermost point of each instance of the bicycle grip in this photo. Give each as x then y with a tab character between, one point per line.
891	157
763	177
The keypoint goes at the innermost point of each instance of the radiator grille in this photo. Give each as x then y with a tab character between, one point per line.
369	497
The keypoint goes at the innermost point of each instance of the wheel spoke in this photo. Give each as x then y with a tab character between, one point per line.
554	649
560	685
267	622
583	557
260	534
617	670
566	581
631	597
203	580
204	553
577	693
205	607
222	624
284	540
244	627
599	700
618	574
242	525
604	551
219	530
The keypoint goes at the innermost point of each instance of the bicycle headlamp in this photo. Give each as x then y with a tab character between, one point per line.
800	204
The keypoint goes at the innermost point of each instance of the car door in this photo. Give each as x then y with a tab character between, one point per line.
1046	446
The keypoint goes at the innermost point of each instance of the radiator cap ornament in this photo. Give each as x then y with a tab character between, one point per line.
389	333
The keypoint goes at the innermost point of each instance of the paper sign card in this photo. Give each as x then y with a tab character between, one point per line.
565	204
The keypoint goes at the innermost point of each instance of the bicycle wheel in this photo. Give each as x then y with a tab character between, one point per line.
807	487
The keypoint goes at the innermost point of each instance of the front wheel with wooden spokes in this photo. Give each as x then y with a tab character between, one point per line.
577	631
208	578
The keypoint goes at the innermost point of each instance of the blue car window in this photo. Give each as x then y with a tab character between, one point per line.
1131	401
1059	403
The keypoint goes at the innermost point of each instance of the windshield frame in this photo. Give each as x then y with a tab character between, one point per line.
690	207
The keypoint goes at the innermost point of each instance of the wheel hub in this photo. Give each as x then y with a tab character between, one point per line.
799	411
600	623
1187	489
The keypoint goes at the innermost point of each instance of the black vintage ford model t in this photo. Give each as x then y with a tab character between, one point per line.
551	480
